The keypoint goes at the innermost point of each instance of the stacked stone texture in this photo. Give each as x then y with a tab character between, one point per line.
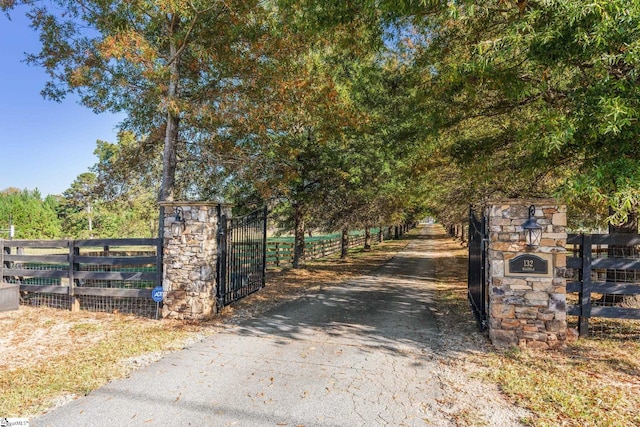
189	259
528	312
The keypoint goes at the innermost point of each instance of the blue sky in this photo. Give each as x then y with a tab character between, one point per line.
43	144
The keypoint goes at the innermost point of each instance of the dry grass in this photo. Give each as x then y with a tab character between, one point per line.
588	384
51	355
593	382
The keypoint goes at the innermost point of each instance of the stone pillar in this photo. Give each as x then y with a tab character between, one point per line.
527	288
189	260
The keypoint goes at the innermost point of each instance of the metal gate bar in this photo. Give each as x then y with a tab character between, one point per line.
477	286
242	251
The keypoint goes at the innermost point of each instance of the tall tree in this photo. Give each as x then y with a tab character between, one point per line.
166	64
78	206
292	125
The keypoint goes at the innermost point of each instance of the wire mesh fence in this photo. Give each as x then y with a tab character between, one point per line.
614	286
143	307
616	329
108	275
38	299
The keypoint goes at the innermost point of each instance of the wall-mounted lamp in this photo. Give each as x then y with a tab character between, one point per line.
532	230
177	226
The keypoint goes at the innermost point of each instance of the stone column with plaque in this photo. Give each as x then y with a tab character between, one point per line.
527	288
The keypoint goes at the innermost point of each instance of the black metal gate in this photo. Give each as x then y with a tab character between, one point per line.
478	290
242	251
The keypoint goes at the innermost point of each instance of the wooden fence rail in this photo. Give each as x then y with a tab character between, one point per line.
280	252
96	267
594	277
73	271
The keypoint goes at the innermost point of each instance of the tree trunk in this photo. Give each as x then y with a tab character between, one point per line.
169	159
298	249
90	214
367	238
344	243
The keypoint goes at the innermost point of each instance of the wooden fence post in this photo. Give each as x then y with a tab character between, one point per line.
73	267
105	253
2	252
585	285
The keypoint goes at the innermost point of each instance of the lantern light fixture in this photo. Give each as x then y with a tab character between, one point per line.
532	230
178	224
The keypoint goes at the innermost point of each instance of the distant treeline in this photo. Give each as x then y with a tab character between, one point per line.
73	216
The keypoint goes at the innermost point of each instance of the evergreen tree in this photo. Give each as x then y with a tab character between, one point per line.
31	216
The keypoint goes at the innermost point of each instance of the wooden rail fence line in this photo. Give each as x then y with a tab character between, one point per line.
74	270
82	267
280	253
595	277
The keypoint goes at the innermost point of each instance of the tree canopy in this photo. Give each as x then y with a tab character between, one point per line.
536	99
346	114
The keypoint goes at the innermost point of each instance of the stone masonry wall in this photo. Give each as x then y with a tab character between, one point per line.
189	261
527	310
